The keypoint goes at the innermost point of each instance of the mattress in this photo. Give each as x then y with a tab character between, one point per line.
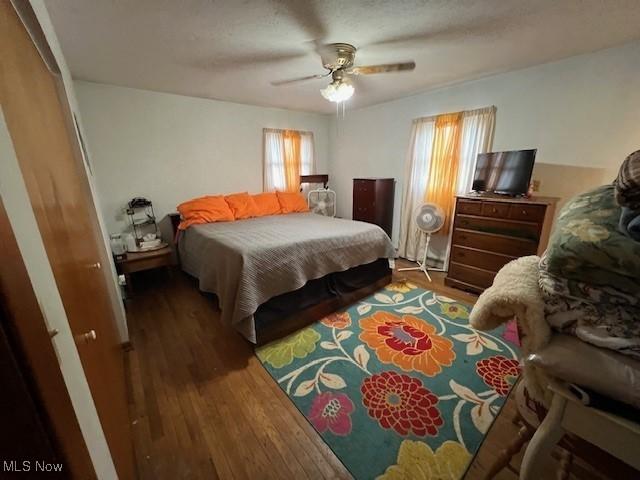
247	262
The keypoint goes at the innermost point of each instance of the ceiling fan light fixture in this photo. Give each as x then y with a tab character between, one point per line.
338	91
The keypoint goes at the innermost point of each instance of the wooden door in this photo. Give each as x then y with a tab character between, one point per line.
40	124
36	414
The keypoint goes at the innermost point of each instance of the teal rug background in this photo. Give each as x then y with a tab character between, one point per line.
427	415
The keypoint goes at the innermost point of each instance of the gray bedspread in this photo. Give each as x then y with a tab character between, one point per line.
247	262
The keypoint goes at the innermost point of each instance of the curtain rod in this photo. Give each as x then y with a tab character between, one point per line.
464	113
280	130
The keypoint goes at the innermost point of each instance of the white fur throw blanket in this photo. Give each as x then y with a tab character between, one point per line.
516	293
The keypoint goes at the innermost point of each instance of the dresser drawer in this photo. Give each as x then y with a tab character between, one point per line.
479	258
531	213
495	209
364	186
495	243
529	231
474	276
469	207
363	213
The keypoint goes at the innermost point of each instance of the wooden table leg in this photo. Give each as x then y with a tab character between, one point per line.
505	456
129	283
546	437
564	469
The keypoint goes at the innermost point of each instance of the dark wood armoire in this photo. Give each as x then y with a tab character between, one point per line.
373	201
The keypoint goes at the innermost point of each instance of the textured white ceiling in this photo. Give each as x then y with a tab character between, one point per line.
231	49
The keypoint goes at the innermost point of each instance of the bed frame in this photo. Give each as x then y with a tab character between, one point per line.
311	314
288	312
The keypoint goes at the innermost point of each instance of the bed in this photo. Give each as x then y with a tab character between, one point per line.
273	273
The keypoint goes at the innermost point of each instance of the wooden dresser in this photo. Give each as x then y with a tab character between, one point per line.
490	231
373	201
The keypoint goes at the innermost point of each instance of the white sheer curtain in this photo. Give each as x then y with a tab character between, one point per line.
307	157
415	184
307	160
476	137
273	174
274	177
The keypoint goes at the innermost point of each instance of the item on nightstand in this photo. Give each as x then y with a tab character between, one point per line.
142	219
117	245
147	245
130	242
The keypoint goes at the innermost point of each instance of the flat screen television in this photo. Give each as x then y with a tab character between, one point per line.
507	173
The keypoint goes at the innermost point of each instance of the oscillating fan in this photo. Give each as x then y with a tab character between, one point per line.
322	201
429	219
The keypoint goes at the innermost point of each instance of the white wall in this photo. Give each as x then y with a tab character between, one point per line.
170	148
582	111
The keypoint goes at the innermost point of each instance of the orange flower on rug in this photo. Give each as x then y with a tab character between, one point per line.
407	342
337	320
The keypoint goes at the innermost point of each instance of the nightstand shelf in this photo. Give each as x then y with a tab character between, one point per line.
140	261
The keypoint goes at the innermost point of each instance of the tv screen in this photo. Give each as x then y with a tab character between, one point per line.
504	172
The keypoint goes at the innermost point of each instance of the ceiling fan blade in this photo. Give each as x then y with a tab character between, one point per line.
307	16
300	79
389	67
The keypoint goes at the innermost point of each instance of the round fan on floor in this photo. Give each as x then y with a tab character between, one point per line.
322	201
429	219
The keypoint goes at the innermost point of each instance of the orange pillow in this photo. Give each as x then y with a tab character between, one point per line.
207	209
291	202
242	205
267	203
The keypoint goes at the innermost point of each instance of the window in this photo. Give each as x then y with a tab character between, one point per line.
440	163
287	155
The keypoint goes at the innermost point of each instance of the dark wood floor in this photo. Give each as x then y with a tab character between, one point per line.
202	406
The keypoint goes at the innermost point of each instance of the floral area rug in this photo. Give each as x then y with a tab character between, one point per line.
399	385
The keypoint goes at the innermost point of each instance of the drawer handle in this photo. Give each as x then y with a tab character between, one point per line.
494	210
524	212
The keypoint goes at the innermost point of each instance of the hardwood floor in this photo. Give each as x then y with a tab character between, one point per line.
202	406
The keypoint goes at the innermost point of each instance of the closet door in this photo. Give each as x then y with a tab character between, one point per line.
40	126
46	400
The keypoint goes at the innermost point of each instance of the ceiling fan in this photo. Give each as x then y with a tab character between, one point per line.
338	59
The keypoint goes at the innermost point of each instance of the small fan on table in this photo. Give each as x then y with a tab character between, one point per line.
322	201
429	219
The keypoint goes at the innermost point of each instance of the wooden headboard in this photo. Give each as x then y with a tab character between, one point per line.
323	179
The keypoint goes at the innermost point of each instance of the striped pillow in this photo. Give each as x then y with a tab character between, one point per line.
628	182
